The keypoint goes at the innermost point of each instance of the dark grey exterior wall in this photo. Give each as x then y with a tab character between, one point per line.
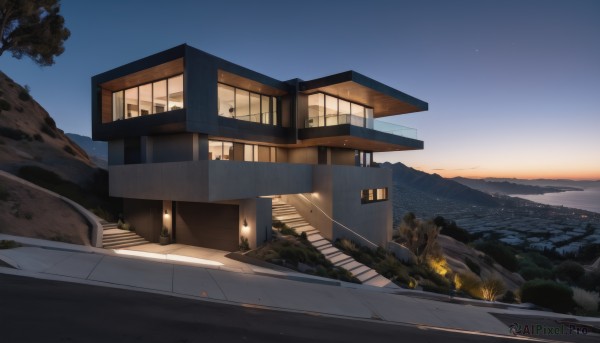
173	148
208	225
145	216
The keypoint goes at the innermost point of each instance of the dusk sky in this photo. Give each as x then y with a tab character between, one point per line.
513	86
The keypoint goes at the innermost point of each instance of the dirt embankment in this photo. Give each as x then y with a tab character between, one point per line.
28	212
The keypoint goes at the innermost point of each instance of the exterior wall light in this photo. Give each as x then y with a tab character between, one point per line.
245	223
245	228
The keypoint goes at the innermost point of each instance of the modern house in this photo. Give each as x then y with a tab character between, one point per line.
201	145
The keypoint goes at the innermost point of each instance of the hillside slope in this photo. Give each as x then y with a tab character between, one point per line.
29	137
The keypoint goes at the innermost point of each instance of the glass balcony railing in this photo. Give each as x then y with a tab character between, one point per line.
368	123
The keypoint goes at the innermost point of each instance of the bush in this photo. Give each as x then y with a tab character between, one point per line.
586	300
469	284
8	244
501	254
244	244
492	288
4	105
14	134
509	297
533	272
473	266
569	271
48	130
392	269
549	294
24	95
590	281
38	137
535	258
69	150
449	228
4	195
288	231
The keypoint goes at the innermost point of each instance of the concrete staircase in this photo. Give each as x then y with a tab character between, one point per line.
287	214
115	238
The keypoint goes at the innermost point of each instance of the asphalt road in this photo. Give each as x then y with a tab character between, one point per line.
33	310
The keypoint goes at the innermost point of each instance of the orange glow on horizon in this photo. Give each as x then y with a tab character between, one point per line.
525	174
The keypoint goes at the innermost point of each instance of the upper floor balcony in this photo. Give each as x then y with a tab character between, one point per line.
361	121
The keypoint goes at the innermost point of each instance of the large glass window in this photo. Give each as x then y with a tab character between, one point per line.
118	105
131	102
226	100
248	152
175	89
331	111
327	110
242	104
146	99
245	105
255	107
265	109
159	91
344	117
215	150
150	98
373	195
227	151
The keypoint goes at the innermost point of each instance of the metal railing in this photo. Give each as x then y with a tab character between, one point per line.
369	123
361	237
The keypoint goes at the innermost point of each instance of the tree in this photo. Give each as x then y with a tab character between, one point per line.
32	28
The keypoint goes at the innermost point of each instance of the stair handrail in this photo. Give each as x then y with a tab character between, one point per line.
373	245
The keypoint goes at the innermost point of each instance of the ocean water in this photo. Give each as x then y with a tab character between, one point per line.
588	199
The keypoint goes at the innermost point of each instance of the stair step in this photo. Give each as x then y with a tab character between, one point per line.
320	243
349	264
338	258
119	235
359	270
367	275
329	250
296	224
304	228
120	239
344	261
126	245
314	237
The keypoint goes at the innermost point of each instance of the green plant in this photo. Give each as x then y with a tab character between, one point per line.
285	230
38	137
569	271
586	300
69	150
534	272
503	255
474	267
590	281
492	288
14	134
303	236
8	244
244	244
549	294
48	130
24	94
120	224
4	194
126	226
4	105
469	284
509	297
165	232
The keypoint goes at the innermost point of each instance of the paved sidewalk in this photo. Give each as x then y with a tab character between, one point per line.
246	287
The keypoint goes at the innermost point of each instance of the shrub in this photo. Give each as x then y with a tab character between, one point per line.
38	137
69	150
473	266
430	286
469	284
509	297
14	134
303	236
449	228
492	288
278	224
4	195
24	95
8	244
549	294
48	130
4	105
569	271
392	269
533	272
126	226
590	281
501	254
537	259
586	300
50	122
285	230
244	244
19	109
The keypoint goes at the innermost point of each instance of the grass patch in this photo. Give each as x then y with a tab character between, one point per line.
8	244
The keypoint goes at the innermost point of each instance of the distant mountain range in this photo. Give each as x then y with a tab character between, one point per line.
436	186
508	188
97	150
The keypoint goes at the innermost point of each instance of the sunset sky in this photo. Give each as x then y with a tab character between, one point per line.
513	86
